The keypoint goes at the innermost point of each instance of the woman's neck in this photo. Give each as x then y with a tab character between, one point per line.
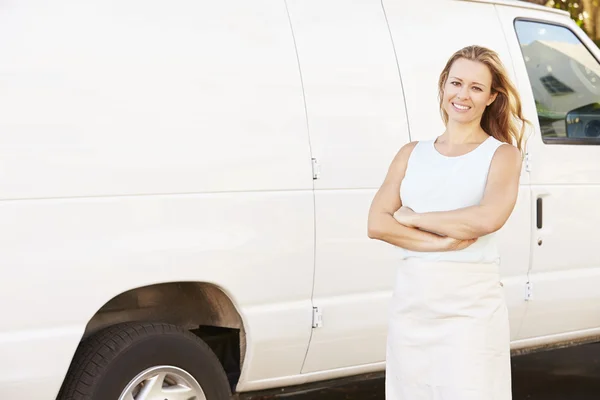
463	133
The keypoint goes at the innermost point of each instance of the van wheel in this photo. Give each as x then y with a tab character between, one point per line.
145	361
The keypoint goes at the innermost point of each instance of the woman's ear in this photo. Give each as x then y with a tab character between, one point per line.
492	98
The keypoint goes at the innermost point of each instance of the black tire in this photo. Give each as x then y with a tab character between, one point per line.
106	362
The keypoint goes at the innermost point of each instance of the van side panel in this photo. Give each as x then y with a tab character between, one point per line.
143	143
134	98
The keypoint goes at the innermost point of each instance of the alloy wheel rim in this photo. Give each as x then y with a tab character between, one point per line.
163	383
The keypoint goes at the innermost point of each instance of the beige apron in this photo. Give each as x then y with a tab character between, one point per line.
449	335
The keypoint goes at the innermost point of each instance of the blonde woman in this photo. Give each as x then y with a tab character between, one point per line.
441	203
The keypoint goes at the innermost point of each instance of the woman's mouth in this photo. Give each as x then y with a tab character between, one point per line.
460	107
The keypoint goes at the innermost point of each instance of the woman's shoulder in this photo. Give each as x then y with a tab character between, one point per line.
506	153
403	155
410	146
500	144
406	150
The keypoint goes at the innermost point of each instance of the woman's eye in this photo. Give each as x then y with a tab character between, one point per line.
477	88
455	83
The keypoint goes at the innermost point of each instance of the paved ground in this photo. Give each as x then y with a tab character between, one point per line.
564	374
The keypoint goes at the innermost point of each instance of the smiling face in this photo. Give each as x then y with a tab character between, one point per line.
467	91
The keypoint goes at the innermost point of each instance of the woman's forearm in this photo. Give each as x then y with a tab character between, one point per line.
465	223
384	227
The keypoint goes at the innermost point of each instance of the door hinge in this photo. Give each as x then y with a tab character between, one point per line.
527	162
317	320
316	169
528	291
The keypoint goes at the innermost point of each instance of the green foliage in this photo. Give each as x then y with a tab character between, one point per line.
574	7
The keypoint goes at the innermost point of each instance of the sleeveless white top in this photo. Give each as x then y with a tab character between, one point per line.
434	182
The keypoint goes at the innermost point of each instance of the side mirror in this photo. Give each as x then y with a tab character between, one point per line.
584	122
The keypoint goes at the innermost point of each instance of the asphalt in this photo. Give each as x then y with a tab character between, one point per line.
563	374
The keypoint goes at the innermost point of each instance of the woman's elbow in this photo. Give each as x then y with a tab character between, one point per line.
373	231
374	227
490	225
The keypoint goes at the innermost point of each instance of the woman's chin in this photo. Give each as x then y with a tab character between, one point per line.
459	118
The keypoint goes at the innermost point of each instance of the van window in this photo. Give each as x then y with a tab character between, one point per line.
565	78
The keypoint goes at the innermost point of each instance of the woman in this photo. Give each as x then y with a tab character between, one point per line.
441	203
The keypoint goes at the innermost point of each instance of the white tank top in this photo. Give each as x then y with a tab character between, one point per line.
434	182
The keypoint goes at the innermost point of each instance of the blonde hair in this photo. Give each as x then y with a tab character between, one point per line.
503	119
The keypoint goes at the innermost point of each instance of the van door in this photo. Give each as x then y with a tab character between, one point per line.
434	38
559	80
356	122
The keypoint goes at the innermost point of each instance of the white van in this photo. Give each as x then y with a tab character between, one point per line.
184	186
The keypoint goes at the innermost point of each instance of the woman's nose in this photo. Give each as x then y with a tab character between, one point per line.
462	93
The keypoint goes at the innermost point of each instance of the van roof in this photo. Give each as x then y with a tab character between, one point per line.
522	4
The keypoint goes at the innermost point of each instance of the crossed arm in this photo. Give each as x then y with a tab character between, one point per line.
383	226
454	230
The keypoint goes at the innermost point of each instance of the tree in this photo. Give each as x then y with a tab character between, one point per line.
574	7
592	18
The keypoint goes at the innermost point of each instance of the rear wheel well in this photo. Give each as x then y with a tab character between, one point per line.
202	308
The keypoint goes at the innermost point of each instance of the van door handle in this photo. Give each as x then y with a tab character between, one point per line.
539	216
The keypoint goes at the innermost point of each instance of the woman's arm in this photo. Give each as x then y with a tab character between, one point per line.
383	226
490	215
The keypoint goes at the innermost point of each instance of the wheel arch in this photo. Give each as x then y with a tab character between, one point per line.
199	307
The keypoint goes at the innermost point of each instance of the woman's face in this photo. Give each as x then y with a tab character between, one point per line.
467	91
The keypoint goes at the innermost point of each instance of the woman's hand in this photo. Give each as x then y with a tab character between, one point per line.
405	216
451	244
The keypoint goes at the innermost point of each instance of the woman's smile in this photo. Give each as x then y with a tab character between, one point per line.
460	107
